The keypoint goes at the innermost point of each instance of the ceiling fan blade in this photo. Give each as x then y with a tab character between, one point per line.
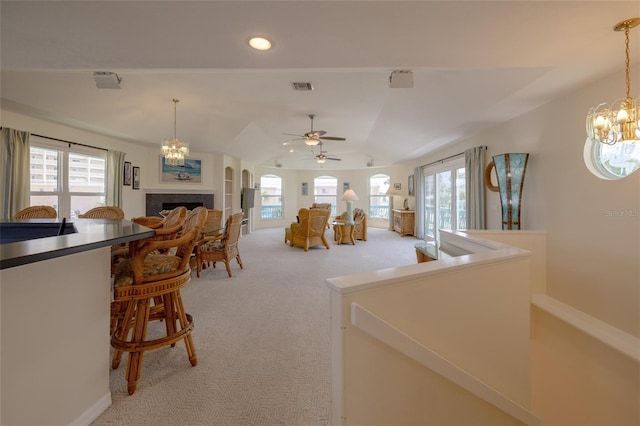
291	134
334	159
333	138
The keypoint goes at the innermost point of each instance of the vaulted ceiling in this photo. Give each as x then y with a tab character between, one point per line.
475	64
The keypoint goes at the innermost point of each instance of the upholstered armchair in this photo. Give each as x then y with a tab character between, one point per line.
326	206
309	231
360	220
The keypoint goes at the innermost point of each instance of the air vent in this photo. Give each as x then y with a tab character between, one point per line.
302	86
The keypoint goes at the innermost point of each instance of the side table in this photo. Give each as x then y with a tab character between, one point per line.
343	233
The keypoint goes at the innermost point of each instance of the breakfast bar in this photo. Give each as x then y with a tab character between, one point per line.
54	322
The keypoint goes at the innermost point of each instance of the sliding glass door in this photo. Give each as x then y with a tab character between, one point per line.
444	202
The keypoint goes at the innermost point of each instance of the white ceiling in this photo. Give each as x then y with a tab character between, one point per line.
475	64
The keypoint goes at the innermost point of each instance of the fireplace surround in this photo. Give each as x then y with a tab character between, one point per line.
156	201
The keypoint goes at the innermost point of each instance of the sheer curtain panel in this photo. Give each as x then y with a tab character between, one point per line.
474	185
418	183
115	167
14	158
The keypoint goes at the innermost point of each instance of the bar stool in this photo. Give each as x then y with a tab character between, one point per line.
148	276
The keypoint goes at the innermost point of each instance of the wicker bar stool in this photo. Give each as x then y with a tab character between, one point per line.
103	212
146	277
36	212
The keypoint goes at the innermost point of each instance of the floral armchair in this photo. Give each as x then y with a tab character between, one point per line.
360	220
309	231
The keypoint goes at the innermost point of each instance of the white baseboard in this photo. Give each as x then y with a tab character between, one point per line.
92	413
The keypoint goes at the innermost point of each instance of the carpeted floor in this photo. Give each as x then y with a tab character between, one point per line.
262	338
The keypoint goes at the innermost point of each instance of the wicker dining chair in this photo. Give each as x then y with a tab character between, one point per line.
222	247
103	212
36	212
147	277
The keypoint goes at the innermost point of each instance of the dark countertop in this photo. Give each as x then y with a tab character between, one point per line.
92	234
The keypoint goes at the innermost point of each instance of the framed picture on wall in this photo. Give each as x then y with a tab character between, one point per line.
136	178
345	186
397	186
412	191
305	188
190	172
126	177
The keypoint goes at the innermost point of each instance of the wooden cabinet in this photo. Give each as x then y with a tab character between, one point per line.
403	221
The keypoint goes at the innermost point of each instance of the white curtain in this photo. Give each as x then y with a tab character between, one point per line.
418	184
474	183
115	169
15	159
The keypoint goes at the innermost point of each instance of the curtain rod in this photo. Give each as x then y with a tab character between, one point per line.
69	142
449	157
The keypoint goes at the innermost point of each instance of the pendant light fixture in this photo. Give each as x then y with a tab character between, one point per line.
174	150
620	122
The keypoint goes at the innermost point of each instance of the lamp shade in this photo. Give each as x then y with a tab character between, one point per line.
392	191
349	195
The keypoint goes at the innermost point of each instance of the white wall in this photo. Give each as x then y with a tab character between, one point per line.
358	181
592	257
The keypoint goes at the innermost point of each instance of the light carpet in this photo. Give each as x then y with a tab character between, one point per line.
262	338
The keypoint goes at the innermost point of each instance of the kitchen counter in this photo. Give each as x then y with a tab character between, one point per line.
91	234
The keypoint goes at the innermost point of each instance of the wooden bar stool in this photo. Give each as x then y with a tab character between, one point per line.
148	276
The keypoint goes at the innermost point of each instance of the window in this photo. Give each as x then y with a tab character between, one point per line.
325	190
271	196
612	162
445	198
378	198
70	179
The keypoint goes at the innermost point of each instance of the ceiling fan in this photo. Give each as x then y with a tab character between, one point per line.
322	157
312	137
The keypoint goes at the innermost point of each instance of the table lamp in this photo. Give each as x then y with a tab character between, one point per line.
349	196
391	192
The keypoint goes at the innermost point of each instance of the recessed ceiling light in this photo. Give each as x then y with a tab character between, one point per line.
260	43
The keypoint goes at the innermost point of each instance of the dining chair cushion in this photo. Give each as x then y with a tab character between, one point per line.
210	246
154	264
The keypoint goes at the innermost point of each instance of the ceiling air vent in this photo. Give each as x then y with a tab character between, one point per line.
302	86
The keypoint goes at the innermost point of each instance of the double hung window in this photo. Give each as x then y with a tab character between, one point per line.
378	198
72	179
325	190
271	197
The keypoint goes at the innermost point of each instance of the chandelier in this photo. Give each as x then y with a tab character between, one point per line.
174	150
610	124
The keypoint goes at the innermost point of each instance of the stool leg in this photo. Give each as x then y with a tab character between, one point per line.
134	365
122	330
170	316
184	322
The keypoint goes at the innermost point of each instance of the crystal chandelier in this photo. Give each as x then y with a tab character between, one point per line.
610	124
174	150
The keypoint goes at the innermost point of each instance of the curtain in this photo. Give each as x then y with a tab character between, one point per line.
115	167
474	185
418	183
15	160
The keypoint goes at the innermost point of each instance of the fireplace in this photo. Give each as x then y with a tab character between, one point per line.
189	206
160	201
